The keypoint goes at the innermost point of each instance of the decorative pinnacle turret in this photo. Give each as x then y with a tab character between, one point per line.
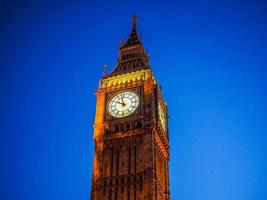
105	70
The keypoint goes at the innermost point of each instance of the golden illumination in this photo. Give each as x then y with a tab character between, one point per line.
162	118
141	75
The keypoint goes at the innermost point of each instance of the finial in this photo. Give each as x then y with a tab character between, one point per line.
121	42
134	20
105	70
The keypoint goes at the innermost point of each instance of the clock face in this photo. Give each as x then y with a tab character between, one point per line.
123	104
162	118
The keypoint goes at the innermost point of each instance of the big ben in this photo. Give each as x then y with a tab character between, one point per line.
131	156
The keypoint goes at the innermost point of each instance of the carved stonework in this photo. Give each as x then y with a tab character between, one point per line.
128	78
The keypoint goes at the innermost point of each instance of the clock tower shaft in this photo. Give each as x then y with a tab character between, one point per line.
131	156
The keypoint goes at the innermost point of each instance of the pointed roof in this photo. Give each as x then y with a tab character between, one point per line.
133	38
132	55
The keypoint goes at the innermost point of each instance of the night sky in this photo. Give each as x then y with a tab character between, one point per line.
210	58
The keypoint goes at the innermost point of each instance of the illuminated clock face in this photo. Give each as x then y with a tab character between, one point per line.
162	118
123	104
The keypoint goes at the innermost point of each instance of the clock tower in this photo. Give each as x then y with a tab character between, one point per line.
131	130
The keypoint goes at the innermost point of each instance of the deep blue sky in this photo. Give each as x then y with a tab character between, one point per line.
209	57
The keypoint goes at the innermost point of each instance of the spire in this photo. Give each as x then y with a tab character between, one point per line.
132	55
133	38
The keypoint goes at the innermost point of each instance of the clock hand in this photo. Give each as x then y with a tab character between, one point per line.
122	99
123	104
